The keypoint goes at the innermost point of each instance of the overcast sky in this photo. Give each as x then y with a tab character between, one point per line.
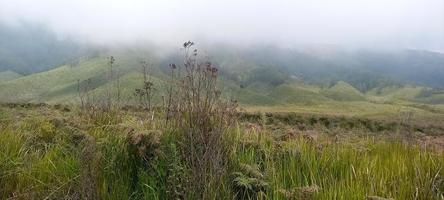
362	23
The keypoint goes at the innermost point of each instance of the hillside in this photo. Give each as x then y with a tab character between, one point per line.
271	91
61	82
9	75
264	78
297	94
363	69
343	91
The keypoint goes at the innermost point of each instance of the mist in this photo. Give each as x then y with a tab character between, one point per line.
413	24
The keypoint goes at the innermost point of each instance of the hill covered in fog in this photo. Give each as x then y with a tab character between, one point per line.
255	74
28	48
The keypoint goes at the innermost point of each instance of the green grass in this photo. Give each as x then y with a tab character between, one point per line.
59	84
345	171
386	111
52	154
433	99
9	75
343	91
34	86
405	92
297	94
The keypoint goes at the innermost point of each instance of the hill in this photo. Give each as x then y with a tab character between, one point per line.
61	81
28	48
9	75
297	94
343	91
254	78
363	69
406	92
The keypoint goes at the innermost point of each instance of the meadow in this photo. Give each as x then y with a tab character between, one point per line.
59	152
194	142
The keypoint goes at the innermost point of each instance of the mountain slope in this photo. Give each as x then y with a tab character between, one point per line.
258	76
9	75
296	94
343	91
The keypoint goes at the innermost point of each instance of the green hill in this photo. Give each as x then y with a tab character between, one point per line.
9	75
343	91
406	92
62	81
296	94
434	99
253	85
34	87
430	96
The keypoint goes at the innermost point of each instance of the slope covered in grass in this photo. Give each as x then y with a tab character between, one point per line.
432	99
128	83
296	94
343	91
9	75
406	92
251	82
35	86
63	81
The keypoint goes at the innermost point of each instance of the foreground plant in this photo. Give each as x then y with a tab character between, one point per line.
200	117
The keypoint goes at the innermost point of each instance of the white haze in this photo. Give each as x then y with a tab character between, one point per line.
415	24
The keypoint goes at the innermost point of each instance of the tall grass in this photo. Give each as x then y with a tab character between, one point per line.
99	162
342	171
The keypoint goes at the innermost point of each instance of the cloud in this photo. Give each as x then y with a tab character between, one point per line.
394	23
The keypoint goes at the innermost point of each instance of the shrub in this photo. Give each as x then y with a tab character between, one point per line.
196	111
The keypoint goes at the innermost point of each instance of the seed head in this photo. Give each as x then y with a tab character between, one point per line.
173	66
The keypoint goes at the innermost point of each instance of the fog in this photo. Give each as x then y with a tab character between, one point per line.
417	24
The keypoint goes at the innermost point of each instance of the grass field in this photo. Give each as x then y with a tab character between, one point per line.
59	152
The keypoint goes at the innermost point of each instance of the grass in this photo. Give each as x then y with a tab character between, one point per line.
346	172
434	99
55	154
293	94
34	86
59	84
343	91
385	111
9	75
406	92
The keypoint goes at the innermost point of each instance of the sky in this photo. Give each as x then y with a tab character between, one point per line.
417	24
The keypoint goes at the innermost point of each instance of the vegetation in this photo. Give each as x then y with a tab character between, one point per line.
342	91
8	75
193	143
51	153
61	85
